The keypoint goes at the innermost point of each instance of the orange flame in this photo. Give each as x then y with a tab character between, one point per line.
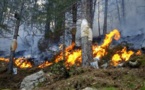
121	56
100	51
4	59
45	64
74	56
138	53
108	38
23	63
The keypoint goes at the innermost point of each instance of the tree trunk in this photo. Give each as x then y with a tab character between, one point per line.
105	18
99	18
14	43
47	28
118	11
63	29
74	12
90	12
123	12
85	57
86	46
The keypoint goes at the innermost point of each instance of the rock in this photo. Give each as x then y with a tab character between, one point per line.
134	64
32	81
105	65
94	64
89	88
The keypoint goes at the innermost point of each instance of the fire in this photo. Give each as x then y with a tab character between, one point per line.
73	57
45	64
60	56
4	59
100	51
138	53
20	62
108	38
23	63
121	56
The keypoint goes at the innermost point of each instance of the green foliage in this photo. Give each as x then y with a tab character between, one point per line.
59	69
143	88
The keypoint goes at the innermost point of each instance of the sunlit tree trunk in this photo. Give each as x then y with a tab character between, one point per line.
105	17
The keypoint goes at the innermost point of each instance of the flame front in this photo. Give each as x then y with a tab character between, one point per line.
121	56
4	59
73	57
100	51
23	63
45	64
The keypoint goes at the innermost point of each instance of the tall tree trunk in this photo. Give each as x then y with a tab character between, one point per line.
123	12
99	18
105	17
14	42
47	28
63	29
90	12
118	12
85	43
74	12
93	9
4	8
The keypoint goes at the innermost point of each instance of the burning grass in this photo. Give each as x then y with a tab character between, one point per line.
77	77
73	56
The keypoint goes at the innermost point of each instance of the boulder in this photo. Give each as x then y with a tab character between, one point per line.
33	80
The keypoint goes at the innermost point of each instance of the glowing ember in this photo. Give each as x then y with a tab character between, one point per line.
4	59
45	64
23	63
121	56
138	53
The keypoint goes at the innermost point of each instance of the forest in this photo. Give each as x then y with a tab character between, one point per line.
72	45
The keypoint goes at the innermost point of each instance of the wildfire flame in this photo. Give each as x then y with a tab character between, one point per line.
121	56
138	53
73	57
23	63
100	51
45	64
4	59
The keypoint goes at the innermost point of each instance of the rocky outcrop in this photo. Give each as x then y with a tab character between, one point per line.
33	80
